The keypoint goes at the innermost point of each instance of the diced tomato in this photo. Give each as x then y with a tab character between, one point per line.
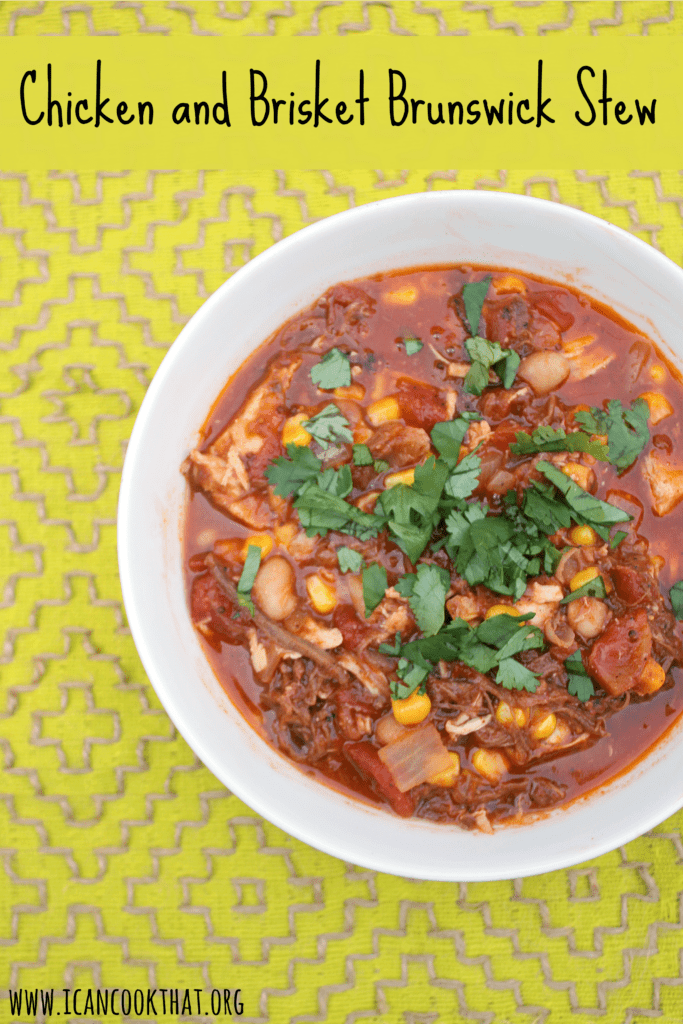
365	760
350	626
618	657
421	405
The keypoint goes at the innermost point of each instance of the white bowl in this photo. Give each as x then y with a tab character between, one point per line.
497	229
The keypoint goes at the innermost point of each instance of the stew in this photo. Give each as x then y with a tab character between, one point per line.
432	542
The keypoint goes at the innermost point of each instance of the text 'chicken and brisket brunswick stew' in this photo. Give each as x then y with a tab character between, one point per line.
433	539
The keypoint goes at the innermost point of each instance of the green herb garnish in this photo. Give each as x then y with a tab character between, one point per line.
412	346
374	585
426	591
333	371
581	506
473	296
486	355
246	580
362	456
349	560
579	683
594	588
551	439
627	430
328	426
676	598
288	476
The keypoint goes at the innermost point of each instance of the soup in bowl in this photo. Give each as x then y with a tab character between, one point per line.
417	608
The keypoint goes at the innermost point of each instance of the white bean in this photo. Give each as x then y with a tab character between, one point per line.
587	616
273	588
545	371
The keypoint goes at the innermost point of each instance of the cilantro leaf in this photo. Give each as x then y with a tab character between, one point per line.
349	560
617	539
411	677
374	584
627	429
447	437
583	506
412	512
428	598
380	466
333	371
320	511
246	580
514	676
550	439
676	598
464	477
579	683
336	481
594	588
328	425
487	355
473	295
412	346
362	456
404	585
288	476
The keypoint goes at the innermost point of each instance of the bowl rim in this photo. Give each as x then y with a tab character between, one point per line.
342	845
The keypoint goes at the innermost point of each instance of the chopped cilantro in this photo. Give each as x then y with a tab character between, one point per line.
362	456
514	676
374	585
627	430
583	507
551	439
333	371
473	295
288	476
320	511
380	466
328	425
349	560
676	598
246	580
464	478
617	539
428	589
412	512
336	481
579	683
487	355
412	346
410	678
448	437
594	588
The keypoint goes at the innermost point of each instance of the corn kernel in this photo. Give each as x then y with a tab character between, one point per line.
560	734
411	710
383	410
583	577
323	596
652	677
406	476
659	406
583	536
285	534
294	433
507	715
658	373
404	296
490	763
356	392
543	725
501	609
367	502
507	284
581	475
258	540
448	776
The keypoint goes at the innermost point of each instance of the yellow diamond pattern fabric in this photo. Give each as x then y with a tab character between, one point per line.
124	862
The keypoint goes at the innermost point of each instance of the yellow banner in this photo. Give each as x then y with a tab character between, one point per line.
131	102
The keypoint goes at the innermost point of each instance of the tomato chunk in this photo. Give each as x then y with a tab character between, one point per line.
618	657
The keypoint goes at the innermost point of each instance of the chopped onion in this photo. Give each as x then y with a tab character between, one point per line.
413	758
388	730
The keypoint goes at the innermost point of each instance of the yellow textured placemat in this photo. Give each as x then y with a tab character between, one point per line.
124	863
